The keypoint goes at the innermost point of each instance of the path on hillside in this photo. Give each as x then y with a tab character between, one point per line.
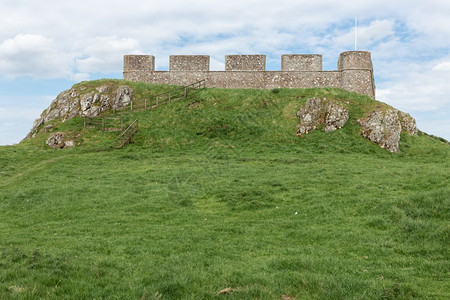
155	101
30	168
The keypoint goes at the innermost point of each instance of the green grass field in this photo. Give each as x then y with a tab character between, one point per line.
218	192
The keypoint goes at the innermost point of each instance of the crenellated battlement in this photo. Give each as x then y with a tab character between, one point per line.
354	71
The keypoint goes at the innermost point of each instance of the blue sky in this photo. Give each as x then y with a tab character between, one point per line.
46	47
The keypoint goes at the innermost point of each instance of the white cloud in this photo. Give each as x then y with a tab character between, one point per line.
33	55
429	17
443	66
40	57
104	54
87	37
367	35
422	89
77	77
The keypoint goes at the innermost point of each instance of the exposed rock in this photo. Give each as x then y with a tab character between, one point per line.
77	102
103	89
309	116
86	102
69	143
122	97
38	122
49	127
384	128
335	117
408	123
321	111
59	140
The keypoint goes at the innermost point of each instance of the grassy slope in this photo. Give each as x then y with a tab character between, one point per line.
218	192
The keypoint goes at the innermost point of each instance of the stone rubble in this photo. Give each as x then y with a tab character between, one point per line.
59	140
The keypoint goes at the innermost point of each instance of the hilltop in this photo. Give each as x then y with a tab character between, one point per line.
218	197
231	114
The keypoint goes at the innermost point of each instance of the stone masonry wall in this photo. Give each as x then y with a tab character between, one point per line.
301	62
245	62
189	63
143	63
354	72
357	72
355	60
243	79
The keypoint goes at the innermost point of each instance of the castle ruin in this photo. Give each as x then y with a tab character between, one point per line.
354	72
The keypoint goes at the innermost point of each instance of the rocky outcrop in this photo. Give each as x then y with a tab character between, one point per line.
82	101
321	111
59	140
384	127
408	123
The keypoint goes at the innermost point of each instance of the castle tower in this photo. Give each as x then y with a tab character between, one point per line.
357	72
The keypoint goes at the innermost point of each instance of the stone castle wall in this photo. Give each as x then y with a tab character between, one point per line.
301	62
354	72
245	63
189	63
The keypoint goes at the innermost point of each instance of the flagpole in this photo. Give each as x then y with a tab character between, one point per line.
356	32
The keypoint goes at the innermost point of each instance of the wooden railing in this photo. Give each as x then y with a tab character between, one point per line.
164	98
126	136
104	123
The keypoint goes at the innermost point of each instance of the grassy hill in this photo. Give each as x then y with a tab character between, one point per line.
218	192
